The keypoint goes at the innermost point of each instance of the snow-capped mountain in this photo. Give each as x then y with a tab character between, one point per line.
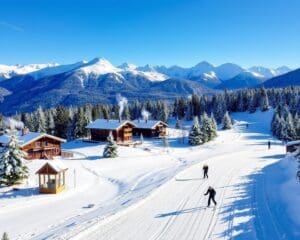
99	80
228	70
9	71
245	79
269	72
289	79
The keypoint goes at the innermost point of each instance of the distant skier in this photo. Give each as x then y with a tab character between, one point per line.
205	171
211	195
269	144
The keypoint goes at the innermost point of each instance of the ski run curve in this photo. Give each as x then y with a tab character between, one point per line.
167	201
178	209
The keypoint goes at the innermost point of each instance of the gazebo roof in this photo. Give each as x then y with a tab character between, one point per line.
52	167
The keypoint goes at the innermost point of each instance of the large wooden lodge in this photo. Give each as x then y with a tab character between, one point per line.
36	145
121	130
150	128
124	130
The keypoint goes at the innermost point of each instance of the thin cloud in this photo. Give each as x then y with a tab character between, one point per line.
10	26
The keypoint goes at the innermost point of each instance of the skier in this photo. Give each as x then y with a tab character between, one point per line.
205	171
269	144
211	195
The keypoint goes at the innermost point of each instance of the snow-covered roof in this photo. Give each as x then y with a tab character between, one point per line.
147	124
28	137
107	124
293	143
56	165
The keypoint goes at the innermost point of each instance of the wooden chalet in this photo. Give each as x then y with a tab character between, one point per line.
36	145
150	128
52	178
292	146
121	130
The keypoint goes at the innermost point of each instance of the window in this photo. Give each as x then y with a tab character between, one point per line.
46	143
37	144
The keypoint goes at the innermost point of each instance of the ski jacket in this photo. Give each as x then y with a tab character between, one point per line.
211	192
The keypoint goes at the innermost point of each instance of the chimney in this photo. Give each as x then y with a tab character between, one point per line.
120	119
138	120
146	120
24	131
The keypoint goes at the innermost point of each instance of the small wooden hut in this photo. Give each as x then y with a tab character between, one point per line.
150	128
52	177
292	146
121	130
36	145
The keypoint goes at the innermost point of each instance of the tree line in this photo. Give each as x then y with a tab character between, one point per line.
70	122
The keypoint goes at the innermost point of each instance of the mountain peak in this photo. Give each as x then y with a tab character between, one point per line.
128	66
99	66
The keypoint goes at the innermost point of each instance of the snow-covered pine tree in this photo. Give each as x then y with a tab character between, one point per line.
252	104
195	135
226	123
2	124
40	120
214	126
264	100
110	150
291	130
206	128
297	125
4	236
80	123
50	125
12	168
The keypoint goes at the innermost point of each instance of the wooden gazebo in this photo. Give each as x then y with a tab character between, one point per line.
52	177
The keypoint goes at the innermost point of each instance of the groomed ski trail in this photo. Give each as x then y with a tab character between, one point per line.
178	209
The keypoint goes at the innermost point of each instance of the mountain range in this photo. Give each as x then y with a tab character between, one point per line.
23	88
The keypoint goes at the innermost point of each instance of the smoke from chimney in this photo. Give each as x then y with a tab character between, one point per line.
122	102
145	114
13	123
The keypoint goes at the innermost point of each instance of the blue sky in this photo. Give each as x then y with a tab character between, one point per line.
183	32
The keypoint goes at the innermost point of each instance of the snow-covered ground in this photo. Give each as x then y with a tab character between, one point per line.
158	194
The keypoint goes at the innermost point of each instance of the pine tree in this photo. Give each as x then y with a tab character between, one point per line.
264	100
291	130
4	236
2	124
61	120
50	125
195	136
252	105
226	122
206	128
214	126
40	120
12	169
110	150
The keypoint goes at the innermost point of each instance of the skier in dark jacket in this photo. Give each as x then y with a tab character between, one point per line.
269	144
205	171
211	195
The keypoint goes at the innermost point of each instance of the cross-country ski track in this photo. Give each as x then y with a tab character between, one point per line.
177	210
